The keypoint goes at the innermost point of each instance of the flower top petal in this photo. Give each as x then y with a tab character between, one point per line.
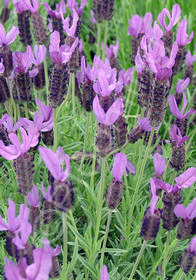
12	271
190	59
60	8
176	136
182	36
23	61
2	67
47	194
70	30
33	197
119	165
41	267
186	179
153	203
145	125
182	85
192	246
136	26
34	6
113	113
88	72
175	110
47	116
40	53
92	19
188	212
22	236
104	273
6	2
176	14
139	62
53	252
53	163
74	5
6	40
112	50
159	164
22	5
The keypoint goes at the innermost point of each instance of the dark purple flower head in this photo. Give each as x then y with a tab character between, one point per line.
182	85
121	164
6	40
72	4
70	30
190	59
23	61
175	110
16	149
54	162
159	164
104	273
53	252
60	8
176	136
113	113
187	213
46	195
14	223
33	197
60	54
182	36
40	53
173	19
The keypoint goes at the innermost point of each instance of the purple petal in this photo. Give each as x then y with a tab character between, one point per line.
114	112
104	273
161	18
181	211
33	197
21	240
119	165
144	124
192	246
136	26
130	167
159	164
176	14
98	110
47	194
186	179
53	252
51	161
191	209
12	34
9	152
2	35
174	107
181	85
40	269
40	53
153	186
153	204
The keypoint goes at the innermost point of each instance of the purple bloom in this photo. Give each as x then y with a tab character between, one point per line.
181	85
92	19
176	14
6	40
22	236
190	59
14	223
70	30
53	161
145	124
6	2
40	53
16	149
74	5
121	165
60	54
113	113
44	121
186	179
103	85
2	67
136	26
88	72
176	136
104	273
33	197
182	36
60	8
192	246
175	110
23	61
124	79
22	5
34	6
186	213
159	164
112	50
53	252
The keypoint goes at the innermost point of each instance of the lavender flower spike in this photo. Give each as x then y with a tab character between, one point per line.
116	110
104	273
182	36
176	14
53	162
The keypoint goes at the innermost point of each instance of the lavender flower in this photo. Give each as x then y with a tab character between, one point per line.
173	19
189	65
188	259
159	165
55	270
104	273
182	36
182	85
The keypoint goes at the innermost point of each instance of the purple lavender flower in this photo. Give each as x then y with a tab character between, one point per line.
40	53
136	26
21	238
60	8
182	85
45	119
74	5
104	273
188	212
21	5
187	261
190	59
66	23
186	179
6	40
112	50
6	2
176	14
33	197
176	136
121	164
159	165
88	72
124	79
116	110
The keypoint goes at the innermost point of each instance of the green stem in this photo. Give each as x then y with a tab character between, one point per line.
105	238
86	136
7	107
105	39
141	171
93	163
64	219
46	78
182	275
55	129
130	91
100	201
26	110
98	38
73	94
165	254
167	126
138	259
